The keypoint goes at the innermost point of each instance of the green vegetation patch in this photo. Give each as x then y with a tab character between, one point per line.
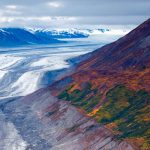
130	110
87	98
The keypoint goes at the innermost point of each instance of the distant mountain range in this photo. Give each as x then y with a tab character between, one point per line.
112	85
60	33
75	33
25	36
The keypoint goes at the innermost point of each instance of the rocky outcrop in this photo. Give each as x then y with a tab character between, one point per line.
44	122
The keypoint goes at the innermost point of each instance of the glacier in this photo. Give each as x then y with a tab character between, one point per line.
23	71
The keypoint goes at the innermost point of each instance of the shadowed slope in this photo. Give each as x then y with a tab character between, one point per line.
11	37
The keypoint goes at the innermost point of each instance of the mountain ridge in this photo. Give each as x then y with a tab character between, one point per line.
14	36
113	86
77	33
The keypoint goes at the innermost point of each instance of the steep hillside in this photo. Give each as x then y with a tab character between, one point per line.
113	86
40	121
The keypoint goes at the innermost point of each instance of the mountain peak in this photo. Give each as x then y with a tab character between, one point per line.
139	33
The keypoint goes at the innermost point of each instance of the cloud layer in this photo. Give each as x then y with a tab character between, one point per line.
72	13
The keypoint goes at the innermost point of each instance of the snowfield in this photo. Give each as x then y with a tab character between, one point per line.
8	61
9	136
23	71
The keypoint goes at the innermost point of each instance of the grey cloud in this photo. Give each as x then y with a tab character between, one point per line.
88	12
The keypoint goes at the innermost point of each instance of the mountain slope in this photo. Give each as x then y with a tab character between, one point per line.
8	39
113	86
18	36
39	121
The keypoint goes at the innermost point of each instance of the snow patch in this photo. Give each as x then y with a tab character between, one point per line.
10	139
26	84
7	61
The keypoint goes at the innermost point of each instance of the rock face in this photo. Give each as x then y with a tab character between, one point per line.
113	86
40	121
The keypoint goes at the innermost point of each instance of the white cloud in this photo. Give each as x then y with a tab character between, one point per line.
44	21
6	19
55	4
13	7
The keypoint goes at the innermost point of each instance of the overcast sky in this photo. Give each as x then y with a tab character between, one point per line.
73	13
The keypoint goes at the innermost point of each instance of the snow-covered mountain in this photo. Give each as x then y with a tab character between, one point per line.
75	33
17	36
60	33
27	36
8	39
